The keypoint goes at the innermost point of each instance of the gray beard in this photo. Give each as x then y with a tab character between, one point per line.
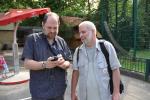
88	39
51	41
45	33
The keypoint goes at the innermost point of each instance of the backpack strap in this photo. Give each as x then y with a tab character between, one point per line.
78	53
60	42
106	54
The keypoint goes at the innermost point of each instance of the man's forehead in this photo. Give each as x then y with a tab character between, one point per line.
52	18
51	21
83	27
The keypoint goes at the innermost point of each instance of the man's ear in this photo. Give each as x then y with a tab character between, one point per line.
58	23
42	24
93	31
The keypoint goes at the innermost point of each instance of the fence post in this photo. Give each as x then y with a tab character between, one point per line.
147	73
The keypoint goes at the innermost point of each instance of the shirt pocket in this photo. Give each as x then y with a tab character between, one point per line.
82	64
82	71
82	61
102	69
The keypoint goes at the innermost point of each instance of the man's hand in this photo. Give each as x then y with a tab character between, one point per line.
74	97
116	96
60	62
51	64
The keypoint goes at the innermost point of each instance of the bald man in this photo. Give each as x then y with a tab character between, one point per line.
90	70
47	57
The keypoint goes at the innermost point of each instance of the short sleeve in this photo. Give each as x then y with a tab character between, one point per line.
75	65
28	48
114	61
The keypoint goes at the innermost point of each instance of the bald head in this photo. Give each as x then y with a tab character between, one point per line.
50	25
52	15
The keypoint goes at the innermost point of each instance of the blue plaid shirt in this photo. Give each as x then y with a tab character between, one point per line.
46	83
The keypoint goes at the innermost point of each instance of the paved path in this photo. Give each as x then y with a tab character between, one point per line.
134	89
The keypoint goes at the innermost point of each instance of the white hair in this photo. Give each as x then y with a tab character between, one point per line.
90	25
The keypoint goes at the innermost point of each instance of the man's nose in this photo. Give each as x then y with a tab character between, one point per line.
81	35
52	30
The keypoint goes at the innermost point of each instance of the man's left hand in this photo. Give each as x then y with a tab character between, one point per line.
116	96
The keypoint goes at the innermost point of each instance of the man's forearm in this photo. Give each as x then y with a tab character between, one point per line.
66	65
116	80
33	65
74	81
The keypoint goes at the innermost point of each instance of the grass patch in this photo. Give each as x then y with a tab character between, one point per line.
137	65
143	54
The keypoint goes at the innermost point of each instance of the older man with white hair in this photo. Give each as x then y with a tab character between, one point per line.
90	67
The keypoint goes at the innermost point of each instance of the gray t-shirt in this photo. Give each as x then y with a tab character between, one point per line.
92	85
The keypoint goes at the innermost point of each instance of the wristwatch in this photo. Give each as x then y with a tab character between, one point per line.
44	64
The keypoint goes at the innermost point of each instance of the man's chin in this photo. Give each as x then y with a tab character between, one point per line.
50	36
85	42
45	33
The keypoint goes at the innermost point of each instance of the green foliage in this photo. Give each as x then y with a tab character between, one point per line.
133	66
120	21
5	5
34	21
68	7
137	65
62	7
143	54
143	37
74	10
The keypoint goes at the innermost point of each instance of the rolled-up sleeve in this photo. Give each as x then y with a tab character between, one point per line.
114	61
28	48
75	64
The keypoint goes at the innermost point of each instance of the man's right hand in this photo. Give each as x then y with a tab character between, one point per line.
51	64
74	97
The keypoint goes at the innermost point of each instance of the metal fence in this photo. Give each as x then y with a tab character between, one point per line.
139	65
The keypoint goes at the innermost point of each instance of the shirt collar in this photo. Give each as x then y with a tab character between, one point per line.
55	39
82	47
97	45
